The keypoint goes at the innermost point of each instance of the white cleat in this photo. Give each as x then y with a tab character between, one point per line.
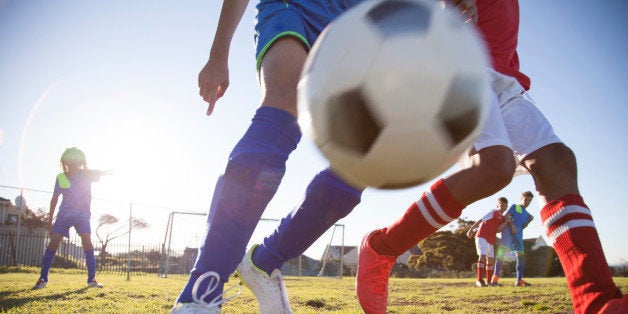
41	283
269	291
94	284
199	306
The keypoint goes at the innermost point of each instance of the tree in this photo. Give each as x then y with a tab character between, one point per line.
35	219
446	250
106	231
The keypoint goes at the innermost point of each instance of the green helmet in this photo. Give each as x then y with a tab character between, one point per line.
73	154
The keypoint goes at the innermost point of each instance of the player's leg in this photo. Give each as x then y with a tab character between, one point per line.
502	250
569	225
255	169
566	218
490	262
48	257
84	230
480	247
491	169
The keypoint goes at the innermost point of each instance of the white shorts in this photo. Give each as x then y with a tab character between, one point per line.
513	121
484	248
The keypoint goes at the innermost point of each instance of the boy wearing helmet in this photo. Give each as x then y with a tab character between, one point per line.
75	184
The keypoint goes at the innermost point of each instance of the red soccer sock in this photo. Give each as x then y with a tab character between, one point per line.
481	270
433	210
489	273
569	225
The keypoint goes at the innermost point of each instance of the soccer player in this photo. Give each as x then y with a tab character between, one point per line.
485	235
75	184
512	238
514	126
284	33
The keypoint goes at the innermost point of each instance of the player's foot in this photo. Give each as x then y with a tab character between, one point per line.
522	283
199	306
194	308
270	291
372	277
41	283
616	306
480	283
495	284
94	284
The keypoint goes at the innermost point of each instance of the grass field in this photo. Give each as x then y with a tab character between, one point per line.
67	293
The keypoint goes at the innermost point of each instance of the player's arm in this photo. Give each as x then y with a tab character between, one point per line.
471	232
530	218
213	79
510	222
53	204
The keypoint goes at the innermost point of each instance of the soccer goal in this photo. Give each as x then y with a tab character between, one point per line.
185	231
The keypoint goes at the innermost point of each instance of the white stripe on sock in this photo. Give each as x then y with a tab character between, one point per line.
576	223
570	209
426	214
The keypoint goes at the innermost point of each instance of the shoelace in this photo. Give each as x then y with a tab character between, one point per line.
380	276
214	281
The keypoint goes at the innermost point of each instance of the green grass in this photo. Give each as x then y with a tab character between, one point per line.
67	293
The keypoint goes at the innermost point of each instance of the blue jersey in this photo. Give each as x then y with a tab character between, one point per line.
520	217
77	194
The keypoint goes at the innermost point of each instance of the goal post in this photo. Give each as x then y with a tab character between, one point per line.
179	248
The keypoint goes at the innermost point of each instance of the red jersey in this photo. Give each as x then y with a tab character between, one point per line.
488	227
498	23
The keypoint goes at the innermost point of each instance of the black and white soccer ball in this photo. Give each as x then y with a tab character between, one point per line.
395	92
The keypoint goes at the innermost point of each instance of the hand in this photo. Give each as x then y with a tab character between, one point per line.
467	8
213	81
470	234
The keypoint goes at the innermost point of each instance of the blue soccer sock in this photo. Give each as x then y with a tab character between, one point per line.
498	267
90	263
46	262
327	200
520	265
255	169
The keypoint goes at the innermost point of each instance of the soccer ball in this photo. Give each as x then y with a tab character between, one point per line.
394	92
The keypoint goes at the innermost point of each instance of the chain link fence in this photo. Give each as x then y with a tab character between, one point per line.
128	238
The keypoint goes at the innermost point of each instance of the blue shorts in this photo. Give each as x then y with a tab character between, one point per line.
303	19
62	226
512	242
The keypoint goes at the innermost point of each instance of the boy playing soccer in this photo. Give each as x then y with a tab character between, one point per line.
512	238
485	235
75	184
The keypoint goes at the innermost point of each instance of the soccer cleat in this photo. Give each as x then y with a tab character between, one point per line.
94	284
41	283
521	283
269	291
480	283
495	284
199	305
194	308
372	277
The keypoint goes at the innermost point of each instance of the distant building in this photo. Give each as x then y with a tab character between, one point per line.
9	213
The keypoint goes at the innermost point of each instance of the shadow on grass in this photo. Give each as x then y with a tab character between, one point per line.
7	304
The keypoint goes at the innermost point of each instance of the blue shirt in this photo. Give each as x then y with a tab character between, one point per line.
77	194
520	217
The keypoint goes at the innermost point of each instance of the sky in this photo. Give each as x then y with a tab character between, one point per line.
118	79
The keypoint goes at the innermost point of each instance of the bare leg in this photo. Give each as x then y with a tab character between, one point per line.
569	225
